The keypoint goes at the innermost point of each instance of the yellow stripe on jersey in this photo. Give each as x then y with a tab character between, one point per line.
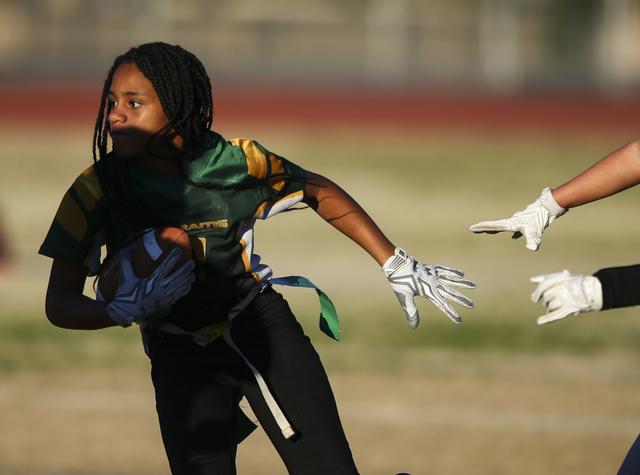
256	161
270	204
246	260
199	249
71	217
88	188
276	182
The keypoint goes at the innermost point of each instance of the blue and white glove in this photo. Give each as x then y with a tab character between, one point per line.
529	223
409	278
564	294
137	298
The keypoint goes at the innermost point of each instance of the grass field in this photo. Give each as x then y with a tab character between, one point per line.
495	395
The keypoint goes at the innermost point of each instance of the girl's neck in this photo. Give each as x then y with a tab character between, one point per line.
164	166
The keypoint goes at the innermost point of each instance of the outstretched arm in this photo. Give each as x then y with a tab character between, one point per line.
340	210
408	278
616	172
564	293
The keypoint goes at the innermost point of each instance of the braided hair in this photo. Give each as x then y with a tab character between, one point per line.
184	90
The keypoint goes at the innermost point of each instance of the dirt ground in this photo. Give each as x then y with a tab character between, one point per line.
474	415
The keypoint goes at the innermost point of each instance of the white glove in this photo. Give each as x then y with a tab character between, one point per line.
409	278
531	222
137	298
564	294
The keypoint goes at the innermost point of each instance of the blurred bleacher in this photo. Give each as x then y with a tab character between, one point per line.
499	45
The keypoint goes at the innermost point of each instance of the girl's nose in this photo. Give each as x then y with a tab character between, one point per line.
115	115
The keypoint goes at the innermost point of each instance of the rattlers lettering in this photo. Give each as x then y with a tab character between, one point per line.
210	224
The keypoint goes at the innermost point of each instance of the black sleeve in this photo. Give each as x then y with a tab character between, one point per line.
620	286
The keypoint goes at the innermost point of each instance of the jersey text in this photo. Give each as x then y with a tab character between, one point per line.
211	224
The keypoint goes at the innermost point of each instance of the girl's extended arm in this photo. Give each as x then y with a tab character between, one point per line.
614	173
408	278
336	207
66	306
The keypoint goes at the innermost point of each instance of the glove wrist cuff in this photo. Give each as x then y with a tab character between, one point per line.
593	291
395	262
549	202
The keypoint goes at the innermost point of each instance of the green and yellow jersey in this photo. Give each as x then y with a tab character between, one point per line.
245	182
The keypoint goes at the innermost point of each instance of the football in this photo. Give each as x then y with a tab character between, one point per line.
147	250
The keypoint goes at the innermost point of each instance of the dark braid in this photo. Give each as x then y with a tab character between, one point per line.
184	90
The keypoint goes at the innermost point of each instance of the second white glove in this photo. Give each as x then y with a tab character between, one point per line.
409	278
529	223
564	294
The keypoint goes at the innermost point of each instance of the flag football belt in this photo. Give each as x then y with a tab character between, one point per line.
329	325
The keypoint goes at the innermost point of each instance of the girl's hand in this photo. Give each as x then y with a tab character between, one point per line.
564	294
529	223
409	278
137	298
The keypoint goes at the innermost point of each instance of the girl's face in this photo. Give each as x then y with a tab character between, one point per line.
136	114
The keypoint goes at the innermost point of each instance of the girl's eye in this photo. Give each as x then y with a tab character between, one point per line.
111	104
134	104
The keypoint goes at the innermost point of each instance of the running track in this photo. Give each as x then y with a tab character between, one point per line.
22	104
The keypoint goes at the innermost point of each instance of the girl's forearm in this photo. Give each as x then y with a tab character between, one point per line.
77	312
616	172
340	210
66	306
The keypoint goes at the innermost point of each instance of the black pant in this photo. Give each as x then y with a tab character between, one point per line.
198	390
631	463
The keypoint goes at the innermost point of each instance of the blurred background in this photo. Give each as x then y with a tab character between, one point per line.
499	45
434	115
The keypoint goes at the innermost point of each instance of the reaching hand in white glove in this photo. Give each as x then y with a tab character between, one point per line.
529	223
409	278
564	294
137	298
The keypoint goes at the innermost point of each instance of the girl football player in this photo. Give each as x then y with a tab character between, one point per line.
227	333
